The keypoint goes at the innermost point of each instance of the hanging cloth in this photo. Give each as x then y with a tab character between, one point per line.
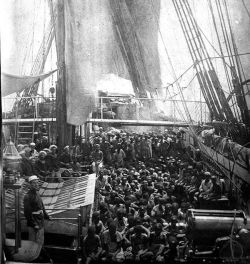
14	83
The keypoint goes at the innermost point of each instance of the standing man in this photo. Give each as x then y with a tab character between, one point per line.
97	157
119	156
34	211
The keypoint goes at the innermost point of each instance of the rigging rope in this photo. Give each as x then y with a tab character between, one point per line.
43	43
212	79
197	53
53	20
183	87
244	4
199	141
218	38
231	89
238	70
224	32
171	65
237	59
190	67
33	33
171	84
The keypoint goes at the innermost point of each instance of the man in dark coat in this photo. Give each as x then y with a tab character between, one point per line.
34	212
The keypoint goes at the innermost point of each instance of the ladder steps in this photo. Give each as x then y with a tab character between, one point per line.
24	132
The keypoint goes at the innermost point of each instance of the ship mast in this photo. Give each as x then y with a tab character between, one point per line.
64	130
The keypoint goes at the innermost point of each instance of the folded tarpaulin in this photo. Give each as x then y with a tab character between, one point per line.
14	83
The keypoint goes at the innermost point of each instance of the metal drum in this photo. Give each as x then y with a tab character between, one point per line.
204	226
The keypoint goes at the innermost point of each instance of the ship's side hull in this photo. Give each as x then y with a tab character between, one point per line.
236	171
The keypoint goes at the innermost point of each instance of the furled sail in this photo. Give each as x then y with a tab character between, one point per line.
86	49
142	18
95	42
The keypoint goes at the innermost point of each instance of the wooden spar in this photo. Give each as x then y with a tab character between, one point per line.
221	95
64	131
214	98
207	95
205	92
139	122
27	120
240	98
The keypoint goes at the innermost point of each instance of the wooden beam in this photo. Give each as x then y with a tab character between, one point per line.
139	122
27	120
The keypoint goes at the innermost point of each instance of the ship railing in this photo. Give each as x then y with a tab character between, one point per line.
39	106
28	107
107	108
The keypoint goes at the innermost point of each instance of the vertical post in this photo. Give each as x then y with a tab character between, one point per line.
90	127
79	235
17	123
137	112
17	105
19	218
49	133
174	110
205	114
201	112
86	131
81	137
17	221
101	108
64	131
2	212
36	110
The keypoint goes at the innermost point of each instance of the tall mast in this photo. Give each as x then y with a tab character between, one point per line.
64	130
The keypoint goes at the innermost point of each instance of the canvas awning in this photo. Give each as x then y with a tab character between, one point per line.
14	83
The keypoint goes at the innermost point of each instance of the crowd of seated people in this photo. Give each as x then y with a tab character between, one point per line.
145	183
47	163
141	200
